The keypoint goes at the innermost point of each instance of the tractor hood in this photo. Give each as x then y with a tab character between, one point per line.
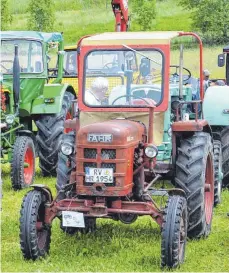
216	105
113	132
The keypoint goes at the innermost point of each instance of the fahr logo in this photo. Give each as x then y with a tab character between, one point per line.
99	138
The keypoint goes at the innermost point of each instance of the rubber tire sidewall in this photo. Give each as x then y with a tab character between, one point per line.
190	176
17	163
28	235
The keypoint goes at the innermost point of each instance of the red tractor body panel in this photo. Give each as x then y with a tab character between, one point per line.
109	145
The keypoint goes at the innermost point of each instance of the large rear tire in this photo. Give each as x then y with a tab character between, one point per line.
23	163
174	232
35	236
49	136
225	152
195	175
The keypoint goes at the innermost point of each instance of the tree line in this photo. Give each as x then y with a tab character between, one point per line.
209	17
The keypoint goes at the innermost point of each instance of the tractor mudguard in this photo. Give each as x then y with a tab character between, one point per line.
192	126
27	133
50	102
215	105
177	191
42	188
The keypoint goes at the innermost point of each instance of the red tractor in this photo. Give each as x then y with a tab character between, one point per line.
131	133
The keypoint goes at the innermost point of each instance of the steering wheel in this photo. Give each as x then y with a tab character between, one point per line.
131	96
6	61
175	76
55	70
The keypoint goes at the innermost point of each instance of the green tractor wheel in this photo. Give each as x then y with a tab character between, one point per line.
225	151
23	163
49	136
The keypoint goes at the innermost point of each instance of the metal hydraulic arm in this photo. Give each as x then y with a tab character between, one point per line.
120	9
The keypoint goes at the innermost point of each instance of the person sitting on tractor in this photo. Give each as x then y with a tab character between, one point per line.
96	94
207	82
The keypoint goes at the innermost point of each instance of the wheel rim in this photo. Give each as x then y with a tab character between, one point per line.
68	116
29	168
41	235
209	190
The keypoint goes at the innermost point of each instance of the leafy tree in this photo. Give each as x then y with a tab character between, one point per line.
6	17
144	12
212	19
190	3
41	15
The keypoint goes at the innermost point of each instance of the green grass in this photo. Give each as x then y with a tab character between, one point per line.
114	247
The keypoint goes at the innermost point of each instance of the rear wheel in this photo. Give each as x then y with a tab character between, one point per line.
195	175
23	163
35	235
225	152
218	172
174	232
49	136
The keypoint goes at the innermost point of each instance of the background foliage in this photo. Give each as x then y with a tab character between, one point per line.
41	15
6	17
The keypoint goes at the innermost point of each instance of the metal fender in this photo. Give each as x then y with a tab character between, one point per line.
42	188
50	102
216	105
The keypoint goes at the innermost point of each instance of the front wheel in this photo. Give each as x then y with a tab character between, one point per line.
174	232
23	163
35	235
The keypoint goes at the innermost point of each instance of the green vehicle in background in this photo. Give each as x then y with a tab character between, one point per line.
37	105
216	112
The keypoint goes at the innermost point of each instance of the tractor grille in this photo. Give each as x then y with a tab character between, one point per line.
89	164
108	154
90	153
109	165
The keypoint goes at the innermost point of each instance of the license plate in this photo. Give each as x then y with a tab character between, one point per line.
99	175
73	219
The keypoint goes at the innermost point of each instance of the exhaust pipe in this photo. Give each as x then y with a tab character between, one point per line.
16	80
181	72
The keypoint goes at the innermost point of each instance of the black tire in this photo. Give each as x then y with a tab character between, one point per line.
49	136
218	172
23	153
225	153
35	243
90	227
195	155
66	164
174	232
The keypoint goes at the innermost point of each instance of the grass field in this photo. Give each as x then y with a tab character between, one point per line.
114	247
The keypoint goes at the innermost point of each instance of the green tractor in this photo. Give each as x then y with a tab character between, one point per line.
216	112
35	104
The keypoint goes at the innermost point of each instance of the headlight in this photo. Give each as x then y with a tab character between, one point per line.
151	151
10	119
66	148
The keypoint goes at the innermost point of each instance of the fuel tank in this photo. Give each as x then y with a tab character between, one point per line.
105	157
